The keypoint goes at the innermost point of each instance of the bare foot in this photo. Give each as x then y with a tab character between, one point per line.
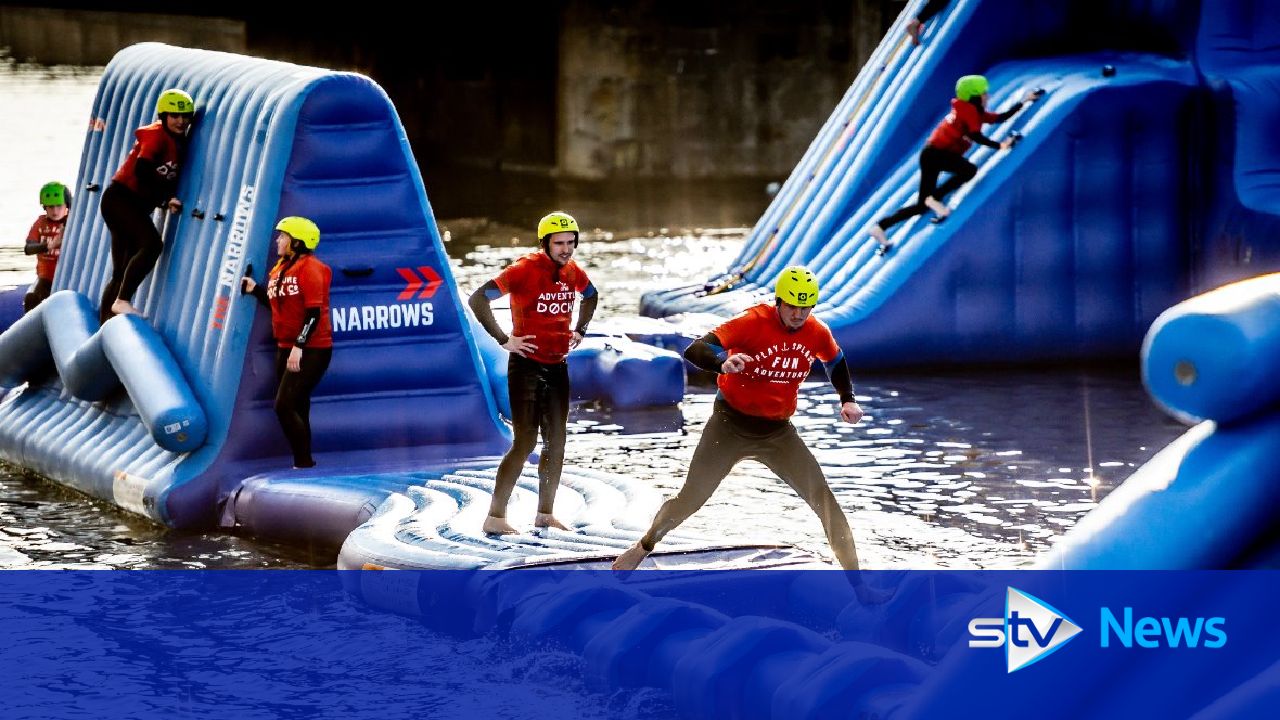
632	558
543	520
497	526
123	307
942	211
878	234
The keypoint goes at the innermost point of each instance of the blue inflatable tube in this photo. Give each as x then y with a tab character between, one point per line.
1202	502
162	397
71	325
1213	357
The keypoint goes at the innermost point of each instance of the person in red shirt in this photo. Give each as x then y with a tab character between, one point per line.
297	291
147	180
761	357
543	286
945	149
44	240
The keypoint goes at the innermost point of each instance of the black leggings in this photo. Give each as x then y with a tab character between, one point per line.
38	293
729	437
539	401
135	244
933	162
293	399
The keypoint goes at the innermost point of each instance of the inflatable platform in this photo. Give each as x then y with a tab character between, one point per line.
170	414
1146	173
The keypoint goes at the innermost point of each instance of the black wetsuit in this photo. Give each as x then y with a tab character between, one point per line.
539	402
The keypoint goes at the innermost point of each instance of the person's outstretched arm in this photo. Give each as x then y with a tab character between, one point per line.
1030	97
838	372
479	303
707	353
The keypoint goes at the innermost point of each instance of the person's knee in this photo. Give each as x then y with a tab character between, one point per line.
967	171
151	248
523	445
285	404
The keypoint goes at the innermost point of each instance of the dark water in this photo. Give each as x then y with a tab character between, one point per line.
955	470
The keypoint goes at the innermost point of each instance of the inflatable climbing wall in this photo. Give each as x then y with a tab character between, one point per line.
103	409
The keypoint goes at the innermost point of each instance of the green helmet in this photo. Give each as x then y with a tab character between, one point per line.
53	193
300	229
971	86
175	101
798	286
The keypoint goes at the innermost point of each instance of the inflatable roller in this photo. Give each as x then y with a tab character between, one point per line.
1214	356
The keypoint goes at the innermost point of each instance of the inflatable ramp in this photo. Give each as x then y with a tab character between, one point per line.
270	139
1145	172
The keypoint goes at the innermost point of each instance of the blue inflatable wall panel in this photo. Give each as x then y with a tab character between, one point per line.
270	139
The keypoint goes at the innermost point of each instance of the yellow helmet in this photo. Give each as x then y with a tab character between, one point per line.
300	229
176	101
557	222
797	285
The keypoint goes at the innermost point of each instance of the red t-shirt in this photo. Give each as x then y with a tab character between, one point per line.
542	306
42	231
159	147
964	118
305	285
780	360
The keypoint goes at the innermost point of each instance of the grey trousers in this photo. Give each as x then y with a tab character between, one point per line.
730	437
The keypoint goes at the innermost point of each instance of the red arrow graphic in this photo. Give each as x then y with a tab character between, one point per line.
413	282
433	281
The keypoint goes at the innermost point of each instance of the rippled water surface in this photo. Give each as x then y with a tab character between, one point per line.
956	470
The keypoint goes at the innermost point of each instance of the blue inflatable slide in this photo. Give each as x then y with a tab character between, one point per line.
1149	171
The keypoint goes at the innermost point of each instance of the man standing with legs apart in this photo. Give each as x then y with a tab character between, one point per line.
762	356
543	286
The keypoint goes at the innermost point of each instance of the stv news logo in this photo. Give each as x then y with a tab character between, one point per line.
1030	630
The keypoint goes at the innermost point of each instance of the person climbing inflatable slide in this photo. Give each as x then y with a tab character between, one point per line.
1145	173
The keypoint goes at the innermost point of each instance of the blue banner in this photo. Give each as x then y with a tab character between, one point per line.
540	643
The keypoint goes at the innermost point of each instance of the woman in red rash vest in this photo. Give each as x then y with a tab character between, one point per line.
297	291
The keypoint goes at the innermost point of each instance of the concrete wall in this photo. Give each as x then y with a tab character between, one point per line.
683	108
83	37
703	89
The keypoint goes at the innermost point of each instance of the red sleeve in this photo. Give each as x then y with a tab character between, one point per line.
827	348
508	280
150	143
34	234
733	333
313	281
581	281
990	117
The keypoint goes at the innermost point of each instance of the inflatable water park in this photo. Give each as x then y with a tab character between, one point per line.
1145	175
1136	216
